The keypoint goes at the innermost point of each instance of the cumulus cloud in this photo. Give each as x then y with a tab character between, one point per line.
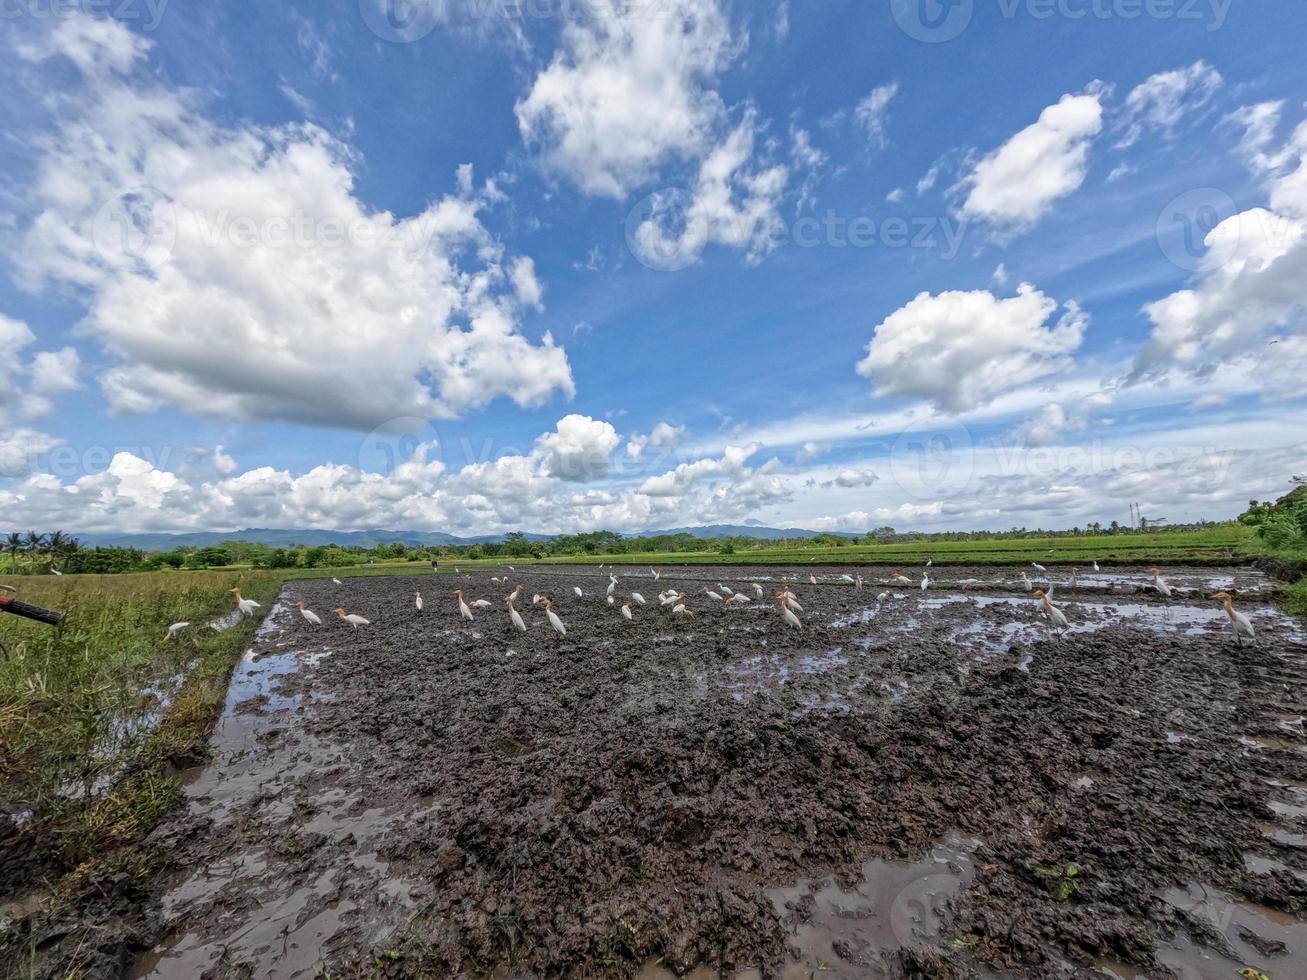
663	435
960	350
27	392
863	520
730	463
233	270
1248	304
852	478
872	112
630	88
1017	184
578	450
731	203
1162	100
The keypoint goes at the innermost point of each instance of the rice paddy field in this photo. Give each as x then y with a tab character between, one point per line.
916	783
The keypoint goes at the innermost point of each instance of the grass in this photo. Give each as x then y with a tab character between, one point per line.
1220	545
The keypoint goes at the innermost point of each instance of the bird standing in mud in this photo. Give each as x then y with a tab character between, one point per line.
925	582
577	590
1038	567
900	577
1240	625
655	573
552	616
353	619
812	579
639	599
463	609
787	613
791	600
857	582
245	607
711	594
310	617
514	616
626	611
337	581
1096	568
174	629
1056	617
1025	580
417	601
758	589
1159	583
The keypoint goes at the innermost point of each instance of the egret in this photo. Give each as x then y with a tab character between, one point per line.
812	579
1240	625
353	619
667	598
515	593
481	604
1038	567
711	594
626	611
791	601
925	582
612	586
929	562
1075	574
1056	618
463	609
883	597
577	590
681	609
857	582
654	572
309	615
554	621
417	601
639	599
1025	580
55	571
536	599
725	590
1096	568
758	589
787	614
515	616
176	628
337	581
899	577
846	578
246	607
1160	583
611	600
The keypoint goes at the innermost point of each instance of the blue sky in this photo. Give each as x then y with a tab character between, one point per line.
639	264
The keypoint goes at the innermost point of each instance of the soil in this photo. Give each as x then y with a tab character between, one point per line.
928	785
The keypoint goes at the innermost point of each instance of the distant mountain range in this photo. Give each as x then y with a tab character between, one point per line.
287	537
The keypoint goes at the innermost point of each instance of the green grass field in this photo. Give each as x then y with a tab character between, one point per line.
1225	544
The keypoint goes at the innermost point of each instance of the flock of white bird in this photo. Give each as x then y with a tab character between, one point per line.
787	602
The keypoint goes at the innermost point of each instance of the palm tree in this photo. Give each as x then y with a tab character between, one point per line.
13	544
33	543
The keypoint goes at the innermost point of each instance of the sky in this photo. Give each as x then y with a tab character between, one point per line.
561	265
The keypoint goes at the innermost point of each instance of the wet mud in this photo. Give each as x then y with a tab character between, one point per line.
928	785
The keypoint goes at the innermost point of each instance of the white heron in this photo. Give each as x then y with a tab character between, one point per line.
554	621
611	600
515	593
812	579
711	594
515	616
655	573
1096	568
681	609
1240	625
612	587
1160	583
857	581
883	597
310	617
1056	617
846	578
577	590
929	562
55	571
626	611
463	609
639	599
900	577
925	581
1038	567
787	613
176	628
758	589
792	601
481	604
353	619
337	581
246	607
1025	580
725	590
417	601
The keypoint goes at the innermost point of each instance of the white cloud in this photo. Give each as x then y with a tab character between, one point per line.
1017	184
578	449
1259	123
1249	303
730	204
233	271
962	349
872	112
629	89
810	450
222	462
27	391
1162	100
853	478
663	435
895	196
928	180
863	520
677	481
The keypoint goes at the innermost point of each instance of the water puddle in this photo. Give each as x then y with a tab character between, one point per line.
1254	935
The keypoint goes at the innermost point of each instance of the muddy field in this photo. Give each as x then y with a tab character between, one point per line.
923	785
